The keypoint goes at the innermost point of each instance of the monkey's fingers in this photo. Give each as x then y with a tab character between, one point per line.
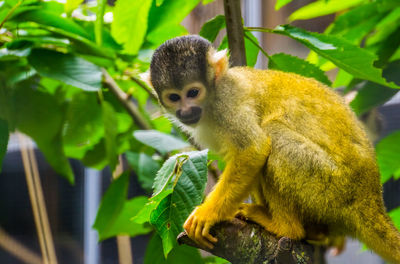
189	222
206	233
199	238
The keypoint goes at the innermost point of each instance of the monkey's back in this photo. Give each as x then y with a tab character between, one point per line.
321	159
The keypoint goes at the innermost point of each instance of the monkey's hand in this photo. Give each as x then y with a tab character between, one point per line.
198	225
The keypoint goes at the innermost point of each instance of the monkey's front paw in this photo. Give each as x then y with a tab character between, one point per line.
198	226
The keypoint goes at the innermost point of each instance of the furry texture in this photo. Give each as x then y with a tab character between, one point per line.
289	142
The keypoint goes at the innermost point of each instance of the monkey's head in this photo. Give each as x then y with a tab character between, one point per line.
183	72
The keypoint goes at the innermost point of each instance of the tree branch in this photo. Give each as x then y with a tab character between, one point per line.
125	101
234	30
248	243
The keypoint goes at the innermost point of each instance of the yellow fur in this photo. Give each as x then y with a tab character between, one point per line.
289	142
294	144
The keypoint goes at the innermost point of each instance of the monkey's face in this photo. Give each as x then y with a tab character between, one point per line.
187	103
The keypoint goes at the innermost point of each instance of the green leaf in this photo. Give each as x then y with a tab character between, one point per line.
161	34
372	95
145	167
40	116
162	124
130	23
110	133
385	27
143	216
181	254
395	215
322	8
251	49
215	260
388	156
48	18
71	5
111	206
122	224
84	126
159	2
281	3
160	16
212	27
287	63
354	60
67	68
342	79
97	157
186	175
164	143
4	135
354	17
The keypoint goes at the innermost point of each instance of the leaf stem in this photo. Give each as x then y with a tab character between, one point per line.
98	27
258	46
10	13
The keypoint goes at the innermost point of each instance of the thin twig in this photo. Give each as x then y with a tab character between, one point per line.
17	249
125	101
37	200
123	242
12	10
140	83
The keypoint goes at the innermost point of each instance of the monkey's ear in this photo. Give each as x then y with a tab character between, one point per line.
145	77
219	60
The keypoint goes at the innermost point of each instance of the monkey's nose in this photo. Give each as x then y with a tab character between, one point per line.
186	111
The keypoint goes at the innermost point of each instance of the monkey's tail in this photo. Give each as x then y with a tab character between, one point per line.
380	235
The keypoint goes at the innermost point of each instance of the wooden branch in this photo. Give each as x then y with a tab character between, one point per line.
243	242
125	101
234	30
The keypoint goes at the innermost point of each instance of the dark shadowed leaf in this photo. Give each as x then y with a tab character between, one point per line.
111	205
372	94
181	254
66	68
110	133
84	126
40	116
145	167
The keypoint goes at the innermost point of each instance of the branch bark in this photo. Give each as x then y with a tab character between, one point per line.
243	242
234	30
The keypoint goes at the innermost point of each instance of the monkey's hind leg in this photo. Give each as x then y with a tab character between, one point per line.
280	225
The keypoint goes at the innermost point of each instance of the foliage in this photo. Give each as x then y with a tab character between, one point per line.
51	88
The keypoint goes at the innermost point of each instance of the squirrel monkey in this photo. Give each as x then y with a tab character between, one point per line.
289	142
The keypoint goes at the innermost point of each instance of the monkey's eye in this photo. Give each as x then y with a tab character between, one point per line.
174	97
192	93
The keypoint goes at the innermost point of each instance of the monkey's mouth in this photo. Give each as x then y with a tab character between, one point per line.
190	120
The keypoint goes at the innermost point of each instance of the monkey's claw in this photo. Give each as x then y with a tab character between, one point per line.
197	226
